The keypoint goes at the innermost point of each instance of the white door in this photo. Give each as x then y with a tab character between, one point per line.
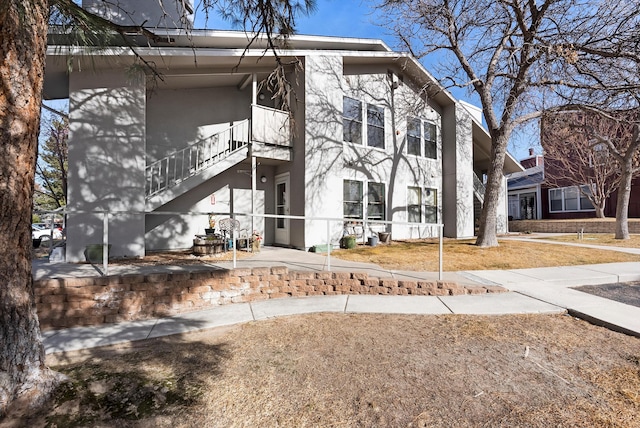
282	208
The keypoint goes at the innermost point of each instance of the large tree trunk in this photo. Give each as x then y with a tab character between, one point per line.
622	203
487	233
23	31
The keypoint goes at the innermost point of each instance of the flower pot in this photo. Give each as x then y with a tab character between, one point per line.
384	237
373	241
348	242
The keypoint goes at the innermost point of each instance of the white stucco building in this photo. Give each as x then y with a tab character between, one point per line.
370	134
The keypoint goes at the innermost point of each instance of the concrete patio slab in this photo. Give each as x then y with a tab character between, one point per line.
498	304
396	305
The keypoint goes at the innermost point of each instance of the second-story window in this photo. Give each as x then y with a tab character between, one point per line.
375	126
353	118
421	138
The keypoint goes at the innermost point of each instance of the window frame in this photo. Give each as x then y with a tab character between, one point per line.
579	199
365	200
367	127
426	206
427	147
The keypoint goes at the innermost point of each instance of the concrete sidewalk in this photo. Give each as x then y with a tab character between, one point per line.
541	290
489	304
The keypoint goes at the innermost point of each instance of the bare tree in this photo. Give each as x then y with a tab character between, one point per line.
575	154
599	76
504	51
23	42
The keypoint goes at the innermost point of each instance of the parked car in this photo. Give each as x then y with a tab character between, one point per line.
44	233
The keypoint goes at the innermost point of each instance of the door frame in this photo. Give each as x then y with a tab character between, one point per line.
282	235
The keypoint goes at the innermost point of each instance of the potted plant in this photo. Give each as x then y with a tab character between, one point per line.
212	225
255	241
348	242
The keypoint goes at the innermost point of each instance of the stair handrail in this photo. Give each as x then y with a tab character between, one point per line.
478	187
208	151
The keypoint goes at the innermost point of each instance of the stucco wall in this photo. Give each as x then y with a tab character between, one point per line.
177	118
106	161
329	160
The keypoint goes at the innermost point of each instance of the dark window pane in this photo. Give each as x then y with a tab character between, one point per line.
375	201
352	199
430	146
413	137
352	120
375	126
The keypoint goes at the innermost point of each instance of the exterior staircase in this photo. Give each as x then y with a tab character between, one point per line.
185	163
266	134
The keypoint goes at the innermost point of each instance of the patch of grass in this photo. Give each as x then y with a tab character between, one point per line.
597	239
422	255
351	370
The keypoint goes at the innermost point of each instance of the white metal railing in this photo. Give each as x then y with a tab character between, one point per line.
329	221
187	162
478	188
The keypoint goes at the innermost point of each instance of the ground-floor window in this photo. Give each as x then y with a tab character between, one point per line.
422	205
571	198
354	199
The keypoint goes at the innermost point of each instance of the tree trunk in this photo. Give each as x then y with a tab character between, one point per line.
600	210
23	30
622	203
487	233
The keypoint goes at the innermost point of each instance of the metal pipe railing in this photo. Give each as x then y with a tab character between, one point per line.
337	222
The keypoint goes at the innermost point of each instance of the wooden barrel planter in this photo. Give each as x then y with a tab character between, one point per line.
204	246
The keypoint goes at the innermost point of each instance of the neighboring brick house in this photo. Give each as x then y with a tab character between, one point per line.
531	197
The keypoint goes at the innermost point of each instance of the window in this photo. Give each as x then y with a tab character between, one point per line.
421	138
352	120
354	200
375	201
422	205
414	204
430	147
375	126
555	200
570	199
414	136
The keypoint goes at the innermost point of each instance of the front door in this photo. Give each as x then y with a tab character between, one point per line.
282	208
528	206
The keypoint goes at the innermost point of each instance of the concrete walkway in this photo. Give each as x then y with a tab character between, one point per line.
541	290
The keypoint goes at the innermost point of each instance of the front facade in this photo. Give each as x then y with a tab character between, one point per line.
369	135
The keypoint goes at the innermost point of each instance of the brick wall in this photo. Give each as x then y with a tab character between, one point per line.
570	226
69	302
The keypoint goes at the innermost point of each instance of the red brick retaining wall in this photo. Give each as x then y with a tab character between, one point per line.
571	226
69	302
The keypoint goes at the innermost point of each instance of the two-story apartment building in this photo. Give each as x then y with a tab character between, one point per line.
369	134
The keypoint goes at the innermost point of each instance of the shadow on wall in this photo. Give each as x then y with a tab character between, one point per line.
331	160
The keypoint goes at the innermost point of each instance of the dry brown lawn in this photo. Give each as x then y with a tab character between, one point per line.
598	239
337	370
422	255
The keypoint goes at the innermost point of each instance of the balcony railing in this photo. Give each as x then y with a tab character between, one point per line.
187	162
